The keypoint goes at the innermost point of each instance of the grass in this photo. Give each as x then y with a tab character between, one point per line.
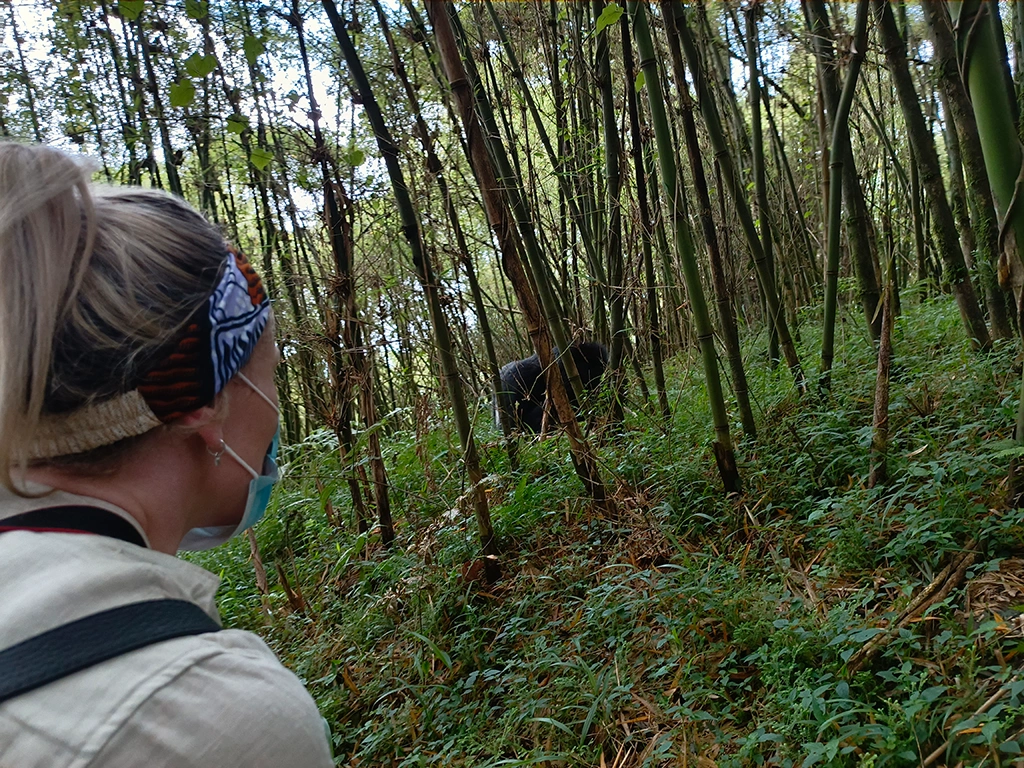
692	629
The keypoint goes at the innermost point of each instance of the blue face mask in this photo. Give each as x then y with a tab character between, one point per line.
256	503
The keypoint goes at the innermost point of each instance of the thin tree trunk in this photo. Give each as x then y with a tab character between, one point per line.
758	160
500	220
347	355
563	174
435	168
646	226
672	186
613	238
858	220
931	178
25	77
723	297
673	298
721	78
879	474
736	189
924	271
428	280
958	194
159	114
985	224
138	91
840	131
524	219
811	277
129	132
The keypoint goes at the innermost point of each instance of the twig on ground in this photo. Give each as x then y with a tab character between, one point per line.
979	711
935	592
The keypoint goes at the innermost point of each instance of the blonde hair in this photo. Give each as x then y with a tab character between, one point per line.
97	282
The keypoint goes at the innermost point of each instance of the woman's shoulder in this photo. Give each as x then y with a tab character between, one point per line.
218	699
234	703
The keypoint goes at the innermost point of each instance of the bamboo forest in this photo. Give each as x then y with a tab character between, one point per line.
652	371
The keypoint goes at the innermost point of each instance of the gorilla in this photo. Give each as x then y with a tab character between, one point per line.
522	383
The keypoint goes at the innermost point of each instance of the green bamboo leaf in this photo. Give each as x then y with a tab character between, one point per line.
551	721
260	158
197	9
641	81
182	93
130	9
200	66
237	123
253	47
438	652
610	15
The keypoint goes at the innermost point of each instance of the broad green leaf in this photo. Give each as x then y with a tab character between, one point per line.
130	9
182	93
200	66
988	731
932	693
863	635
641	81
253	47
237	123
610	15
196	9
355	157
260	158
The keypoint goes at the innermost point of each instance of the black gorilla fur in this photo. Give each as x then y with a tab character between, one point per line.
522	383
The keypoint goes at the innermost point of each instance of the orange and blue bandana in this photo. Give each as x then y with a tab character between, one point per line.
216	343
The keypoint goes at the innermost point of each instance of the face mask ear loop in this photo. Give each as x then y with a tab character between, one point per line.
230	451
259	392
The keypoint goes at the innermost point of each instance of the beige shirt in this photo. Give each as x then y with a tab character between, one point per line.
216	700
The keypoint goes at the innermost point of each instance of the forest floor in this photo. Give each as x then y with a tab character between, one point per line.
809	621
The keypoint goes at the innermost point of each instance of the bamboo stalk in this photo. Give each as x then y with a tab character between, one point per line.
646	225
840	138
738	194
684	247
429	283
978	32
878	473
723	296
499	216
931	178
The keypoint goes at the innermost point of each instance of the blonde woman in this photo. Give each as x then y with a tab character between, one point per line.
138	417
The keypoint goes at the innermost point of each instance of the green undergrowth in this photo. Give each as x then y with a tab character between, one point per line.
689	628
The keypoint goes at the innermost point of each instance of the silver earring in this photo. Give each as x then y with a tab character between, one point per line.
216	454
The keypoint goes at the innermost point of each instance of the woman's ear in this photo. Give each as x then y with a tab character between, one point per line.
206	422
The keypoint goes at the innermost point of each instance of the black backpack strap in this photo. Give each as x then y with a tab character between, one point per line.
74	518
72	647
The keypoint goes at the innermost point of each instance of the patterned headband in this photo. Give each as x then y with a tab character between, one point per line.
217	342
